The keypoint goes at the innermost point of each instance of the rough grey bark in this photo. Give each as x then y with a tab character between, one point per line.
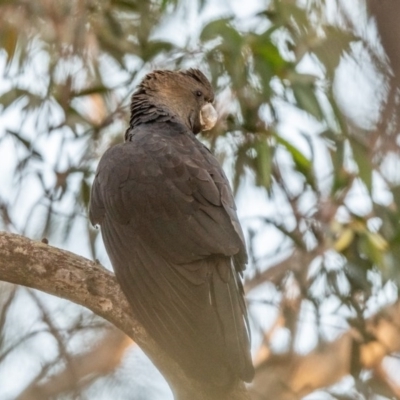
63	274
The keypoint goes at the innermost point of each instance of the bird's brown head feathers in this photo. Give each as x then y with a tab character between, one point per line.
181	96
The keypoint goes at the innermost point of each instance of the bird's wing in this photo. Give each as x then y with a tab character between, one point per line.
173	192
170	228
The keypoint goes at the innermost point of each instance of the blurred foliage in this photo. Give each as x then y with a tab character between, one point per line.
69	68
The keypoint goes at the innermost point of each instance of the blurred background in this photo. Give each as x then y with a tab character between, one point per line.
308	98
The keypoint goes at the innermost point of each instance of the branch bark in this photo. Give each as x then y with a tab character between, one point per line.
63	274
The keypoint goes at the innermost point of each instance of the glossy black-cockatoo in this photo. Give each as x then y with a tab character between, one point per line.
169	225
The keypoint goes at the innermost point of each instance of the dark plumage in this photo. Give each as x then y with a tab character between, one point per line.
170	228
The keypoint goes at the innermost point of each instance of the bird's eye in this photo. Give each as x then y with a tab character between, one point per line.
198	93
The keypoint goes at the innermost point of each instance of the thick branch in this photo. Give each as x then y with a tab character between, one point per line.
69	276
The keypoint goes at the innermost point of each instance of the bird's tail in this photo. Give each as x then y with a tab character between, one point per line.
227	293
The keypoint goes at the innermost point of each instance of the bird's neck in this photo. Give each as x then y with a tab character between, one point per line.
146	110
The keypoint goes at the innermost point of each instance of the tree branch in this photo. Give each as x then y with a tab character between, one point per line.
69	276
293	376
82	369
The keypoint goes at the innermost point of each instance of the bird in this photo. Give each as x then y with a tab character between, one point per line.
169	224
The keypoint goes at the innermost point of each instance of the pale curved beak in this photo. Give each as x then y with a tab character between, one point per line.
208	117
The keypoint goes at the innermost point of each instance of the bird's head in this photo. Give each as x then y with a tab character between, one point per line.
183	96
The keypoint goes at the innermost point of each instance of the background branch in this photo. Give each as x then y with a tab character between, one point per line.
82	369
291	376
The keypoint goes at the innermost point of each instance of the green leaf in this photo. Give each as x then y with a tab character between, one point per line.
336	144
214	29
298	157
330	49
91	90
263	47
8	98
154	48
85	193
307	100
165	3
113	24
110	45
130	5
372	252
292	14
240	164
268	61
357	275
264	164
344	239
228	51
362	158
302	163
